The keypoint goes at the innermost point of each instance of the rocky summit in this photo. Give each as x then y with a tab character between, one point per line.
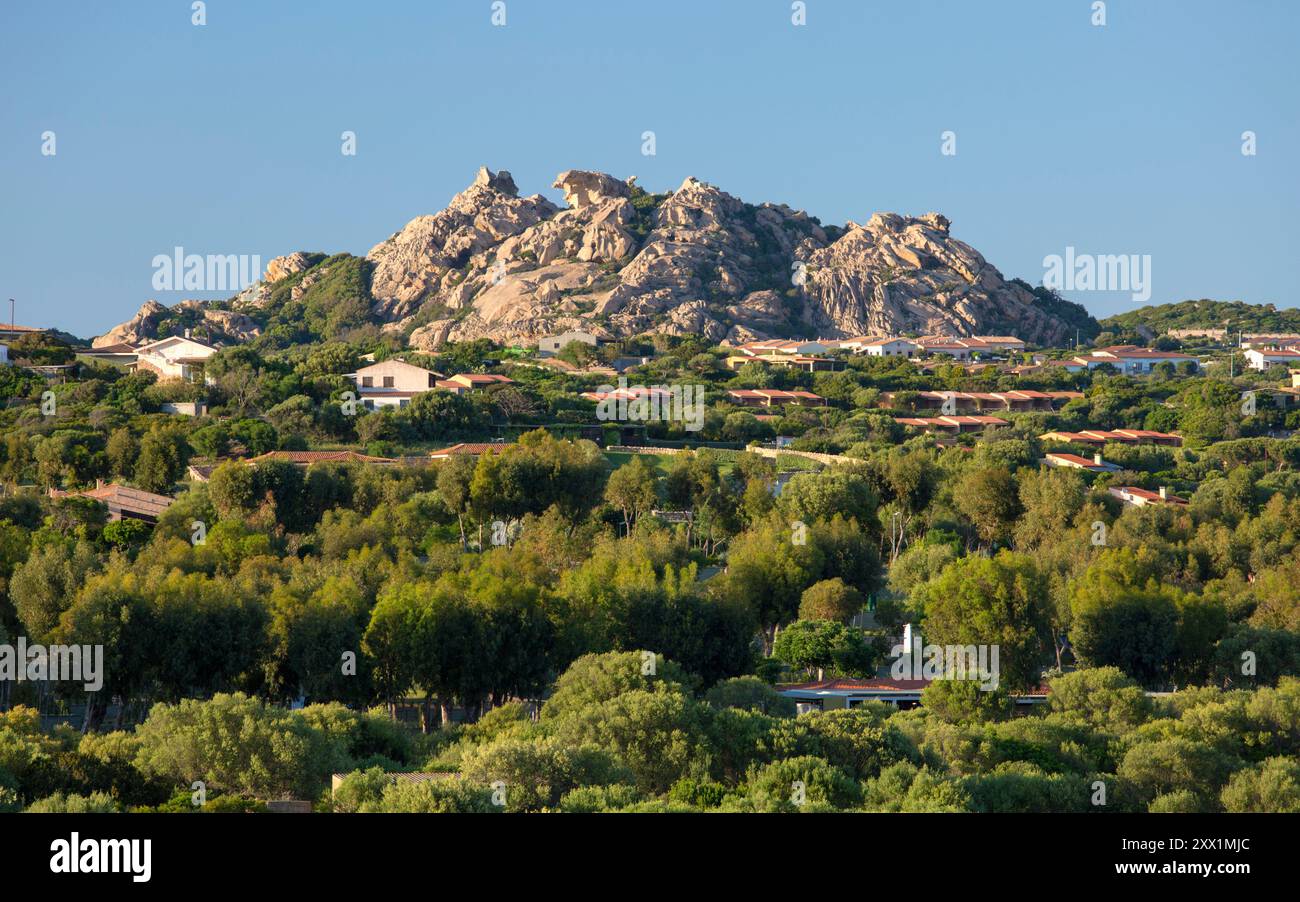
618	261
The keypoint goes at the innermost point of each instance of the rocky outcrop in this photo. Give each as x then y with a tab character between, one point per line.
282	267
213	325
427	260
907	274
696	261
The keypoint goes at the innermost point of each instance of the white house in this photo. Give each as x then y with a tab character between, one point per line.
774	347
392	383
874	346
1261	359
1137	497
1134	361
175	357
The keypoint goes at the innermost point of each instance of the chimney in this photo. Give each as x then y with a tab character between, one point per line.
187	333
1164	493
1096	459
99	483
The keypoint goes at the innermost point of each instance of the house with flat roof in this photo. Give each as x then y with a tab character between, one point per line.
553	344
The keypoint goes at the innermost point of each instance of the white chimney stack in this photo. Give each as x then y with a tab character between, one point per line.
1164	493
1096	459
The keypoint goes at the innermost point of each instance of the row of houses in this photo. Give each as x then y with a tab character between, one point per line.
957	347
1018	401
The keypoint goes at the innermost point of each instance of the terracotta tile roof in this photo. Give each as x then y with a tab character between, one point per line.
314	457
474	448
123	499
1147	495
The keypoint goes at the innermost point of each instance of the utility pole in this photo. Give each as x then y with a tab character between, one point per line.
12	302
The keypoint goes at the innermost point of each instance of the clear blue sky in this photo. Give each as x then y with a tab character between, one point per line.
226	138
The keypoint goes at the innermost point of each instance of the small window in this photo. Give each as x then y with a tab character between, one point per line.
367	381
388	382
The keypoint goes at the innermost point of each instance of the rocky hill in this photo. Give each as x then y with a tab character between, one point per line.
619	261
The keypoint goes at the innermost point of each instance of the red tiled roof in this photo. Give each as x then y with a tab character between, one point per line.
312	457
123	498
474	448
1147	495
